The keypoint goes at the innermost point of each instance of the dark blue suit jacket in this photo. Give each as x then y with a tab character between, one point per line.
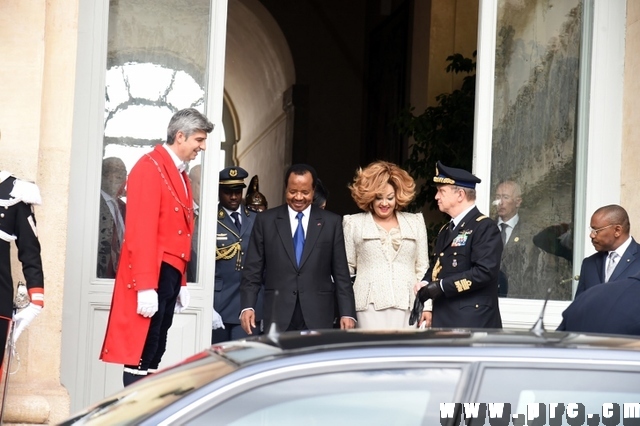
592	270
610	308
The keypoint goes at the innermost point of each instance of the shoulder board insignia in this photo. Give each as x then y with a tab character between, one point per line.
220	214
481	218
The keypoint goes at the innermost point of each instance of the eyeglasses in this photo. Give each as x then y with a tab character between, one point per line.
595	231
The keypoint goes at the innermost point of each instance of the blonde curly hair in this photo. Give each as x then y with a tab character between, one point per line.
370	182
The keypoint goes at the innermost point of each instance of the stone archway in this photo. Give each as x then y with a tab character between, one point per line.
258	70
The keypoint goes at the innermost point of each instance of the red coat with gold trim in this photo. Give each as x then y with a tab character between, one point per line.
158	227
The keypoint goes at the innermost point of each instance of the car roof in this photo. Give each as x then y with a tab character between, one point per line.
207	372
451	341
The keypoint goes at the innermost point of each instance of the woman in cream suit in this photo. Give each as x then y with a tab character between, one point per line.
386	248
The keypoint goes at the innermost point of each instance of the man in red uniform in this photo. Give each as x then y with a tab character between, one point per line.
151	278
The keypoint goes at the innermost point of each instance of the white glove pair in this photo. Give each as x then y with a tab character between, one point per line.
182	303
23	318
148	302
217	321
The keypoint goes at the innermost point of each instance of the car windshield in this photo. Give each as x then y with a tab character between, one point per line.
138	401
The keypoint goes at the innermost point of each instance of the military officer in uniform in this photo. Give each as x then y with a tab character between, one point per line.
235	223
18	223
463	281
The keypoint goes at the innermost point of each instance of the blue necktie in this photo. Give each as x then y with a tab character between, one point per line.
298	238
236	220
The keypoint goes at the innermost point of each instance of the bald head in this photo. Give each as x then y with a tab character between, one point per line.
508	199
114	176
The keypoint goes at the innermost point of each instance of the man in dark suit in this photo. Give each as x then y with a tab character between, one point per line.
235	223
526	271
112	216
618	254
297	251
507	200
611	308
463	278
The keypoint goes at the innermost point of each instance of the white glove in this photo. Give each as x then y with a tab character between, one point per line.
147	302
217	321
182	303
23	318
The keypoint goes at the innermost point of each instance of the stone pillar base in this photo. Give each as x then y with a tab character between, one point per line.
35	402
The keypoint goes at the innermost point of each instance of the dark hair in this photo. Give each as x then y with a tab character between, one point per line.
320	194
615	215
301	169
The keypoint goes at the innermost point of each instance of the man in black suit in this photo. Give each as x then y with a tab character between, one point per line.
611	308
463	281
297	251
618	254
112	216
507	200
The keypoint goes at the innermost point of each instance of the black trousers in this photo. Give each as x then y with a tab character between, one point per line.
156	342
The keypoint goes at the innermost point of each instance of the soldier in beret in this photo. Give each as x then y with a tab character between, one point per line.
463	278
235	223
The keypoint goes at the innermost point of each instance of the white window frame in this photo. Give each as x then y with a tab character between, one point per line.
599	132
83	293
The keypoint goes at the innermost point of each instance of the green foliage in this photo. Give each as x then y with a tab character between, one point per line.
443	132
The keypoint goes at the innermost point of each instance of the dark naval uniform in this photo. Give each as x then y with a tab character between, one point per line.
463	278
231	246
467	261
18	223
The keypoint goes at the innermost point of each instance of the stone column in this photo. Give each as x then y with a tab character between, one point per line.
38	54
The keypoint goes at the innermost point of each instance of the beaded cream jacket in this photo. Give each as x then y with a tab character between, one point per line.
385	277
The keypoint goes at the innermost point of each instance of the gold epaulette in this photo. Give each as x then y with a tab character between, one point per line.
228	252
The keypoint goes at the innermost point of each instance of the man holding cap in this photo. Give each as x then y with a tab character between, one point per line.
463	278
235	223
